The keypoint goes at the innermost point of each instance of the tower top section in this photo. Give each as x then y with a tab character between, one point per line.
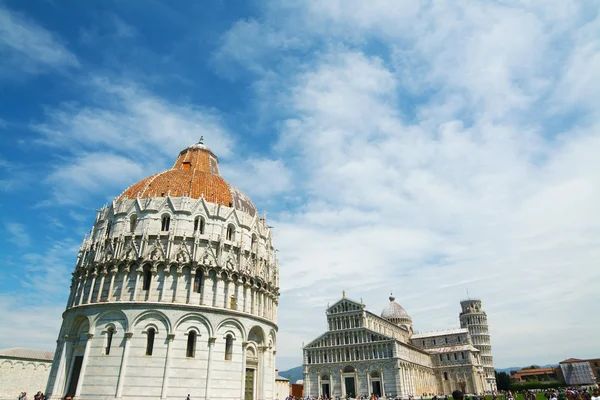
471	306
196	175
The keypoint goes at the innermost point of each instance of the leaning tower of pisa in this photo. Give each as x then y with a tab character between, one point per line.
474	319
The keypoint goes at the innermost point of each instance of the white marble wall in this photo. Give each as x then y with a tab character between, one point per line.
21	375
137	375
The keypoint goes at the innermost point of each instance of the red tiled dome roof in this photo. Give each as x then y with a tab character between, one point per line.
195	174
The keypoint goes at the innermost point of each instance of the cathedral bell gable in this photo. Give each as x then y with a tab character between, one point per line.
345	305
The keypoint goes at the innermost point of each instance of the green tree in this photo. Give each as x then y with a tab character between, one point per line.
502	380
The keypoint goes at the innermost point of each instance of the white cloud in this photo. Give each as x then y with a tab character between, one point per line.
26	46
431	168
17	234
122	135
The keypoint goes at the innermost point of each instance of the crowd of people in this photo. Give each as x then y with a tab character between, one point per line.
37	396
553	394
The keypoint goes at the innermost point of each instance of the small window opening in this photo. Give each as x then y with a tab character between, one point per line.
462	355
434	342
166	221
198	281
228	347
108	227
147	280
109	337
230	232
446	340
132	223
441	359
458	339
199	225
445	376
187	165
423	343
232	303
150	341
191	344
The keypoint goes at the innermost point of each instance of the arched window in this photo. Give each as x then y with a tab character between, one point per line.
150	341
132	223
228	347
445	376
109	336
199	225
165	223
198	281
147	280
230	232
253	243
191	344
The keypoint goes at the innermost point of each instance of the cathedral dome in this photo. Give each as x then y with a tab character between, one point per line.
195	174
394	310
396	314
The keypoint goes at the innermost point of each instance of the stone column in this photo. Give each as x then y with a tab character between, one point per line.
84	362
101	288
82	292
111	287
205	279
176	277
189	292
368	383
94	275
161	294
261	372
59	380
123	370
124	283
211	344
73	288
243	390
343	386
382	381
138	273
165	384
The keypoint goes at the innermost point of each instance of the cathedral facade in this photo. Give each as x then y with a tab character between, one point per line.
174	292
363	353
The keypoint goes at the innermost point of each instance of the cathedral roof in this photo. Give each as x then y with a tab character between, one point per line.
195	174
440	333
394	310
33	354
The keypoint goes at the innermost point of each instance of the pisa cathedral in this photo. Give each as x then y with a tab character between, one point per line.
174	292
363	353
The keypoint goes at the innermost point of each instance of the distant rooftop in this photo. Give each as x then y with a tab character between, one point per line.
439	333
451	349
31	354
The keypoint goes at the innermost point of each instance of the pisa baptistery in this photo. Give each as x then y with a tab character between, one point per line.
174	292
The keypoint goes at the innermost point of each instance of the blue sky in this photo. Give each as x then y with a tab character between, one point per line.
424	148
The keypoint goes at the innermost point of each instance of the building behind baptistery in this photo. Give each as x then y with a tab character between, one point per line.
174	292
362	353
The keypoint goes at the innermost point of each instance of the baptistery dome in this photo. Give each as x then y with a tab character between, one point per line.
396	314
195	174
174	292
